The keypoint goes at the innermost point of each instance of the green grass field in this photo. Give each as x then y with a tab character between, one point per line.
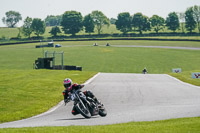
26	92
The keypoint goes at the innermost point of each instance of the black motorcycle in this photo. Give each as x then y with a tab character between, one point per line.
86	106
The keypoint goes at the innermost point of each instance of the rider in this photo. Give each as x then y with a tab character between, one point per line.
144	70
69	86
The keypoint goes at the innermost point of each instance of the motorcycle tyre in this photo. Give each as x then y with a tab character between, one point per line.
88	115
102	112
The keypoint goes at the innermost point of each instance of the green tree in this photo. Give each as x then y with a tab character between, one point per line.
52	20
55	30
140	22
196	14
123	22
88	24
113	21
38	26
26	28
12	18
157	23
99	20
72	22
190	22
172	21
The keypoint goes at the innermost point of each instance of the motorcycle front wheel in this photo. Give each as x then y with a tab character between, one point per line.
84	111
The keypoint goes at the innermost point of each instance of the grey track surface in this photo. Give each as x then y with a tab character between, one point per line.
139	46
127	97
168	47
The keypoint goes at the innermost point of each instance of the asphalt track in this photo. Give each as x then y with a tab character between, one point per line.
167	47
139	46
127	97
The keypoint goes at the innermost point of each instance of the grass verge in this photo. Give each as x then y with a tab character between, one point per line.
187	77
183	125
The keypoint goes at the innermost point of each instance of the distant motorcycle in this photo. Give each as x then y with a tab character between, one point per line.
86	106
144	71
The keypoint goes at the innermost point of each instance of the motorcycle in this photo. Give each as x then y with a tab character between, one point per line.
86	106
144	71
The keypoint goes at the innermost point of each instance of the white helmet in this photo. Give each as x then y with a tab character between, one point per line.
67	83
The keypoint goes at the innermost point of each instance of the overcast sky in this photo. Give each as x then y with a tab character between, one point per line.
111	8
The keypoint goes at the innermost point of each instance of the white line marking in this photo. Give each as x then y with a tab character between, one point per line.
90	80
182	81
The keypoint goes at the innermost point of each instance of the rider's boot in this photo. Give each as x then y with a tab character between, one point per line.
74	111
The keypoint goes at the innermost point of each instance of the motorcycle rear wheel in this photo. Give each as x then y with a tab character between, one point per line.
102	112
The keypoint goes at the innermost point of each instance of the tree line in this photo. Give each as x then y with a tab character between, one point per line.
72	22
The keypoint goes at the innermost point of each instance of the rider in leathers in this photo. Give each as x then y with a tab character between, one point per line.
69	86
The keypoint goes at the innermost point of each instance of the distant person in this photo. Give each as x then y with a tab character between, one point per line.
144	71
